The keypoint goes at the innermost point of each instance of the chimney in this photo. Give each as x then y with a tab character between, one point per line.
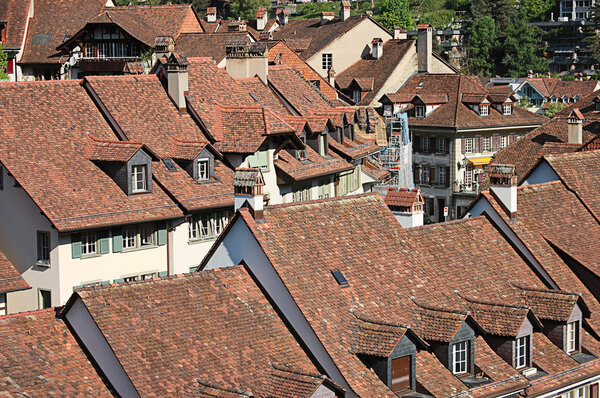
248	185
177	80
345	10
377	45
211	14
326	16
331	77
245	59
282	16
400	34
575	120
163	46
261	18
406	205
424	47
503	186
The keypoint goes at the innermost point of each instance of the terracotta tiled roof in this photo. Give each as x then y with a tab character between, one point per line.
551	304
14	13
50	162
403	197
374	168
315	165
264	96
550	86
499	319
352	150
304	98
371	337
319	35
206	44
10	278
564	378
437	324
54	20
456	113
436	378
162	353
587	106
378	70
497	369
112	151
41	358
548	357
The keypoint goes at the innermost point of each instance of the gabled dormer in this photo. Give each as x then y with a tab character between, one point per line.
596	104
193	157
389	349
318	139
503	103
128	163
479	103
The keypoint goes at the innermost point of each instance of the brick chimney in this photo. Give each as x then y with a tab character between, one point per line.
177	80
261	18
575	120
248	185
503	186
400	34
345	10
211	14
377	45
282	16
326	16
424	47
245	59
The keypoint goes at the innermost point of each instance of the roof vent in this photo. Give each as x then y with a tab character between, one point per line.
340	278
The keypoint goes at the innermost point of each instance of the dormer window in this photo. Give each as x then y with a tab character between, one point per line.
507	109
572	337
420	111
597	106
301	154
139	179
460	352
203	169
522	352
484	110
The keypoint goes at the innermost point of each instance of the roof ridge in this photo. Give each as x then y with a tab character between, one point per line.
573	154
31	312
544	290
219	387
100	140
447	223
541	184
362	317
432	307
316	201
491	303
296	370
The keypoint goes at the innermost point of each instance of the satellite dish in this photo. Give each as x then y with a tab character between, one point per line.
72	61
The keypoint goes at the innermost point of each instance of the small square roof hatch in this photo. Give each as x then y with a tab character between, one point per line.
169	164
340	278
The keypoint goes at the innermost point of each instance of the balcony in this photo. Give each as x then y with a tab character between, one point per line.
466	189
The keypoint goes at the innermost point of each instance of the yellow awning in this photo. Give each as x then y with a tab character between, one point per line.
479	161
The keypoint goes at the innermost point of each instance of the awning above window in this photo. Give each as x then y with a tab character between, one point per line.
479	161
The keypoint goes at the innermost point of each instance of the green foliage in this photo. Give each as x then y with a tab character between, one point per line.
569	78
553	108
480	47
524	103
198	5
3	63
246	9
395	13
592	29
522	48
439	19
314	10
536	10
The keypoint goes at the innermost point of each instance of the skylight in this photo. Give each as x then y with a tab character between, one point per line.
308	99
254	97
169	164
340	278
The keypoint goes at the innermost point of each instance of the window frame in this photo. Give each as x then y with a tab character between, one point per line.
89	240
41	298
507	109
468	145
441	144
462	347
521	358
3	304
503	141
572	340
207	225
203	168
420	111
486	144
442	176
135	173
43	245
134	237
484	110
327	61
426	147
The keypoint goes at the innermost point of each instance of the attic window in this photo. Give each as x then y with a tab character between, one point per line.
308	99
254	97
507	109
421	83
339	278
572	337
419	111
169	164
139	180
597	106
484	110
522	352
203	169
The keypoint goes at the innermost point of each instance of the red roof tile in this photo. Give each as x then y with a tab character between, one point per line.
10	279
402	197
14	13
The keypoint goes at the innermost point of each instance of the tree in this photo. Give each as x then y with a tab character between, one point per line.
592	29
395	13
553	108
522	48
536	10
3	63
246	9
480	47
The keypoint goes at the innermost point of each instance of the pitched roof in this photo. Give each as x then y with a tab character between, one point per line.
52	22
402	197
305	99
291	169
499	319
10	279
206	44
50	162
206	341
550	86
587	106
41	358
497	369
455	113
319	35
355	149
373	337
378	70
14	13
552	304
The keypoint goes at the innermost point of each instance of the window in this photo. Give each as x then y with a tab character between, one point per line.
442	176
459	357
208	225
356	96
148	276
327	61
401	377
88	50
89	243
597	106
507	109
129	235
522	349
139	236
129	279
203	169
138	178
503	141
425	144
484	110
425	174
301	194
322	145
572	336
44	299
301	154
487	144
323	189
468	145
419	111
468	175
441	144
3	304
43	247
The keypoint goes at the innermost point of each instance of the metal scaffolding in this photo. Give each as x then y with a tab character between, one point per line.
397	156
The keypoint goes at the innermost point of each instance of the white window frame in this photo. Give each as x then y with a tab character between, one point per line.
420	111
40	298
484	110
45	247
322	149
460	357
139	236
129	238
468	145
469	175
3	305
441	144
208	225
137	171
503	141
203	169
426	144
572	345
507	109
425	174
442	177
521	352
327	61
89	243
356	96
486	144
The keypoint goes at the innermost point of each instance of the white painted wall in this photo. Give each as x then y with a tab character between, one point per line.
541	174
409	220
185	253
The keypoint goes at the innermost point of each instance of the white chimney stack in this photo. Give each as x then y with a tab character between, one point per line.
424	47
575	120
177	80
377	45
244	59
503	186
345	10
211	14
248	184
261	18
400	34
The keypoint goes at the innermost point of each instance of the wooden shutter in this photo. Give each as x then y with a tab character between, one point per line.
104	242
401	374
117	240
432	175
162	233
477	148
76	245
447	144
495	142
447	176
594	390
416	143
463	145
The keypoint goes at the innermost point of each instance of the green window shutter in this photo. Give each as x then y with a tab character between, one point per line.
120	280
105	283
162	233
193	269
104	242
117	240
77	287
163	273
253	161
76	246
